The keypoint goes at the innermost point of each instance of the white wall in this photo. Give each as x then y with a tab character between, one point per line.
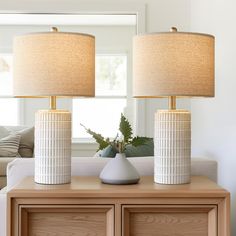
214	120
160	16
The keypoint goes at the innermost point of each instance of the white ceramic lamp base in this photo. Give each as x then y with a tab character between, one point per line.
172	164
119	171
52	147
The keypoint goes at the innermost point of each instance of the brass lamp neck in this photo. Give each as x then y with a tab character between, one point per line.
172	102
53	102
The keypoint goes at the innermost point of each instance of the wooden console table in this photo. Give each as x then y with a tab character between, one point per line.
88	207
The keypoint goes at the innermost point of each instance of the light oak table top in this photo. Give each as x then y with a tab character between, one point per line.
200	186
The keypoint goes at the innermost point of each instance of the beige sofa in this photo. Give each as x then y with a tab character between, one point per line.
26	148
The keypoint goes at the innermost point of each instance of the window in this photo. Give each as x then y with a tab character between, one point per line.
8	106
102	113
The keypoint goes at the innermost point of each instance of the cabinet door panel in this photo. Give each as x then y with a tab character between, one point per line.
66	220
169	220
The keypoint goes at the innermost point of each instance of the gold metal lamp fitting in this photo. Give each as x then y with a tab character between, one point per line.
53	102
172	99
53	99
172	102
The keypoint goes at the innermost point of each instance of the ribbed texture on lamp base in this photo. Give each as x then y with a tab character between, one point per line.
172	163
52	147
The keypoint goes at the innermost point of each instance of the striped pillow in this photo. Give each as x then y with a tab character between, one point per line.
9	145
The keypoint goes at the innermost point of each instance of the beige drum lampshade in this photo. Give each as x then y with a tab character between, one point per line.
54	64
173	64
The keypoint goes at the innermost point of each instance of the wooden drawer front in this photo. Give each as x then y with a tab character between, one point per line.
63	220
169	220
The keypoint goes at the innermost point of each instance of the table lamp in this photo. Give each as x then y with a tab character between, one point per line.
173	64
53	64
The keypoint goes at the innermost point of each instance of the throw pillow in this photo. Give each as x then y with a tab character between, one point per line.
9	145
26	148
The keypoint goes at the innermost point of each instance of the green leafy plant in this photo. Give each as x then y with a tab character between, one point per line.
122	139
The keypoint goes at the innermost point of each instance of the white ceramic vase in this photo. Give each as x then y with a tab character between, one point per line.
119	171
